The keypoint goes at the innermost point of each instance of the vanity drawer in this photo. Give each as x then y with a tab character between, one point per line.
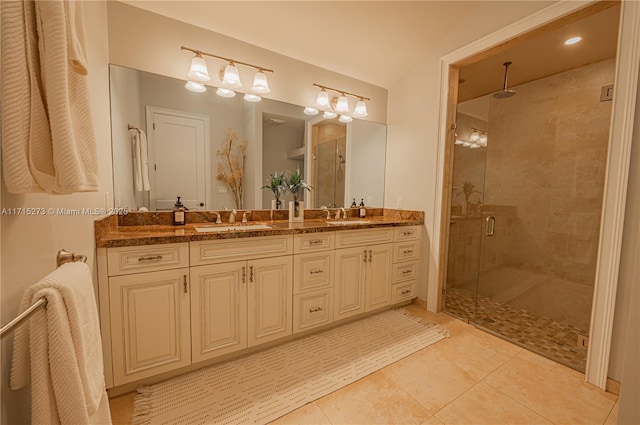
401	272
312	309
147	258
406	233
312	271
349	238
406	251
225	250
403	291
313	242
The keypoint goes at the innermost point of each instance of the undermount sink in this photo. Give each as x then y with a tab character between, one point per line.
232	228
348	222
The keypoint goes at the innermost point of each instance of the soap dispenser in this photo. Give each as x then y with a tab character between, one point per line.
363	211
178	213
353	204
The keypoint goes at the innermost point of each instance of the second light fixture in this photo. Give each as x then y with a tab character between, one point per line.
339	104
229	76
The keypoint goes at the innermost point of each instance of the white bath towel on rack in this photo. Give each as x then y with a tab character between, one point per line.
61	351
140	161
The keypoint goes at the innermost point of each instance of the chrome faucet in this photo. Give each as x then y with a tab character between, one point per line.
232	216
328	212
218	220
344	213
244	216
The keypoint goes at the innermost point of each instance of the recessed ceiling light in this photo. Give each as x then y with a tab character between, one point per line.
572	40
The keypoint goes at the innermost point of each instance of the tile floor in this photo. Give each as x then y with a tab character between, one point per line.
470	378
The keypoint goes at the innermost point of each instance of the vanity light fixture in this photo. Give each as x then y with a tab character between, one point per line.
477	139
340	103
311	111
229	76
327	115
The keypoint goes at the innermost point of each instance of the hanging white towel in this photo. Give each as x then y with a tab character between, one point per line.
48	139
140	161
61	351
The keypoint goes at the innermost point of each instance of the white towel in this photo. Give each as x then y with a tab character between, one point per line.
48	140
61	351
140	161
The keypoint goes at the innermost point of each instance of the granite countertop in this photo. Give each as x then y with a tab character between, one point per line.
156	228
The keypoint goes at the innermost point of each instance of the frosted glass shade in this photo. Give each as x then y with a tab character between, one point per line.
345	118
198	71
310	111
194	86
482	141
252	97
222	92
343	104
322	99
360	109
260	83
231	77
329	115
474	137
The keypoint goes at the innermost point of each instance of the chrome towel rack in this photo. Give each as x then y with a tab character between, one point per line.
62	257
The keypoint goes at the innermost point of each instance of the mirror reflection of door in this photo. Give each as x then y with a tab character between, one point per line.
178	143
329	164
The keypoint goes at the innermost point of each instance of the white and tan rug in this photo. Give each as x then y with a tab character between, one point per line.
259	388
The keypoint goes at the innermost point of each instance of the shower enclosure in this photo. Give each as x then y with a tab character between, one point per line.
329	144
528	180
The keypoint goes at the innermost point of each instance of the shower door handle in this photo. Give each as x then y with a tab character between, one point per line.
491	226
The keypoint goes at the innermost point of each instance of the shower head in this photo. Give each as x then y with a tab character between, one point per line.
505	92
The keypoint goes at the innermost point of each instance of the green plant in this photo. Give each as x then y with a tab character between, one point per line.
468	189
294	184
277	186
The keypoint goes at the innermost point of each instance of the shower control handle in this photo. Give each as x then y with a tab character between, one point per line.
491	226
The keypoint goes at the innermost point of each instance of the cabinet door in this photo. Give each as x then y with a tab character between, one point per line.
349	282
378	287
218	310
312	271
269	299
149	323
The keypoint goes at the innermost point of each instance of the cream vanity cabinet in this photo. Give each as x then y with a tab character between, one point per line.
241	293
313	280
149	303
406	255
363	260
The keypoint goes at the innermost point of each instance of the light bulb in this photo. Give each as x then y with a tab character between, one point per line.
345	118
231	77
474	137
343	104
459	142
310	111
222	92
360	109
198	71
249	97
322	99
260	83
194	86
329	115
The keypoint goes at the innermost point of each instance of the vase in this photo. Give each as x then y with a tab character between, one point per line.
296	215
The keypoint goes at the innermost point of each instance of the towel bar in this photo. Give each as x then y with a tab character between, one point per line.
62	257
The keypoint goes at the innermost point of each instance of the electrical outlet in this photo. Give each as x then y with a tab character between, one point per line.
583	341
399	202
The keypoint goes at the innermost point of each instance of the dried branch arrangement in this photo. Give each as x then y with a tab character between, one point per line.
231	167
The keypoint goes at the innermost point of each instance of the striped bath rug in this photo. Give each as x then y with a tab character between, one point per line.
261	387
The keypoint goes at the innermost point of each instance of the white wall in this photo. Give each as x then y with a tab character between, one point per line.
366	159
30	243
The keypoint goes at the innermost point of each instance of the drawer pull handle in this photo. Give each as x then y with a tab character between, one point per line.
251	274
319	271
408	251
407	233
315	242
365	256
315	310
185	283
370	256
244	274
406	292
406	272
150	258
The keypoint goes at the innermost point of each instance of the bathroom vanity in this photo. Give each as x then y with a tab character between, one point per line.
172	298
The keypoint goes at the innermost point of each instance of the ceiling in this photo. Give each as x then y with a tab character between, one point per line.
544	54
374	41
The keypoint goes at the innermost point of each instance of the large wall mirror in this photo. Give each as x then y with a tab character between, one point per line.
186	131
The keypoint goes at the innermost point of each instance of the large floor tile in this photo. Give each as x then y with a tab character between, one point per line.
372	400
309	414
552	390
612	419
122	408
484	404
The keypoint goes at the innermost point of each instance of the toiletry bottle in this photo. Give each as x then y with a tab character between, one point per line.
178	213
353	204
363	211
